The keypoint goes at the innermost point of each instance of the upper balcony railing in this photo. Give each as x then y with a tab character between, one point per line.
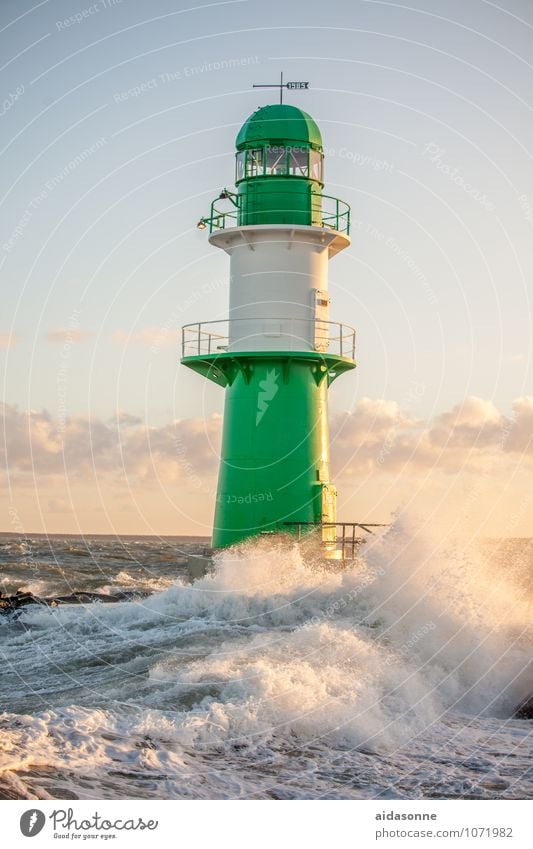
334	213
213	337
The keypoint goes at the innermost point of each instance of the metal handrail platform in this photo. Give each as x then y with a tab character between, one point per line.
213	337
347	541
334	212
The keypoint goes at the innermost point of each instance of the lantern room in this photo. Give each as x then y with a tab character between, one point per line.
279	168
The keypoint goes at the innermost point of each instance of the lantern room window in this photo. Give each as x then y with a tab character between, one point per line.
239	165
299	161
279	161
315	165
254	163
276	159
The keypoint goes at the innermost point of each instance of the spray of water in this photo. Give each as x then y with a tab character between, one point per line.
272	649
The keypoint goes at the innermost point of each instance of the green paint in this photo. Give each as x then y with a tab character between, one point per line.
279	124
278	200
274	464
275	448
222	368
279	168
279	175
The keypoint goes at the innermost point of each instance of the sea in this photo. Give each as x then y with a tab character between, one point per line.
275	676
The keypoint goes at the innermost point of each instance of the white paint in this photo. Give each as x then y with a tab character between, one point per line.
279	286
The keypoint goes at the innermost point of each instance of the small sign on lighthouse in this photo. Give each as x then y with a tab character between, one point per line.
291	86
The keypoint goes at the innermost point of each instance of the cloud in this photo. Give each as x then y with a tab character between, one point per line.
125	419
33	443
122	474
58	505
474	435
67	335
378	437
473	423
151	337
7	340
186	450
520	437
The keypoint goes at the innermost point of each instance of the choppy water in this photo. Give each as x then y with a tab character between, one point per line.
396	678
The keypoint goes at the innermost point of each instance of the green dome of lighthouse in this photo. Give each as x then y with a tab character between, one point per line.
279	123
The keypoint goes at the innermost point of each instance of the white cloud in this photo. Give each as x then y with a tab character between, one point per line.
376	438
58	505
473	435
521	435
123	474
125	419
34	443
7	340
67	335
473	423
151	337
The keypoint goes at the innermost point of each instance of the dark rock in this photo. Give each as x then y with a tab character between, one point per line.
13	603
525	709
9	603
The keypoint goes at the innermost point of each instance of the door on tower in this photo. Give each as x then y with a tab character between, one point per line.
329	511
321	316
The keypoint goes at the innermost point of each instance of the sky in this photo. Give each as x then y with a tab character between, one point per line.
118	124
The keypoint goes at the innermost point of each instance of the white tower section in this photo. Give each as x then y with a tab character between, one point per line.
279	297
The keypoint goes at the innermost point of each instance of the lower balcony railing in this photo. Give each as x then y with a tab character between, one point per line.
256	334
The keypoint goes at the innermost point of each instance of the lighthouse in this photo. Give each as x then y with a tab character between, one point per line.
278	351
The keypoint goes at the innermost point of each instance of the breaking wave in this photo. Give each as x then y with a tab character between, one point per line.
275	663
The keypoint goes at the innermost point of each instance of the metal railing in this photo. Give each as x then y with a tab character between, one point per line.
345	538
219	219
205	338
334	213
196	340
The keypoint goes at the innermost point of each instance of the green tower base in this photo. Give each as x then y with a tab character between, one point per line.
275	447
